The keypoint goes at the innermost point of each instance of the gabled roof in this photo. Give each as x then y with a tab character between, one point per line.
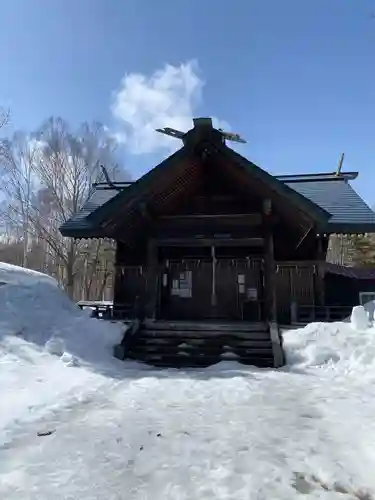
104	202
325	199
348	212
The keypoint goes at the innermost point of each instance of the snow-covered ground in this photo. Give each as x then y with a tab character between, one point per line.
90	427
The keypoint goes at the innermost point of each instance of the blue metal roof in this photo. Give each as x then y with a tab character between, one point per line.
80	221
336	196
349	213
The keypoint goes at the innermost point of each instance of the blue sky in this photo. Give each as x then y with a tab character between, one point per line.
295	78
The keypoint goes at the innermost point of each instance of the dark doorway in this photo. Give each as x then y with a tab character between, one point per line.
210	288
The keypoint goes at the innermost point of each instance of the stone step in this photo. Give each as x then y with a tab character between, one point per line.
206	350
188	343
206	326
202	335
221	342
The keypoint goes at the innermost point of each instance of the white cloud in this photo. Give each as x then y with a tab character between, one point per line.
167	98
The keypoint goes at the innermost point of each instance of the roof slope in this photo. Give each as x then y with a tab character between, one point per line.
360	273
86	223
299	200
348	211
327	192
80	222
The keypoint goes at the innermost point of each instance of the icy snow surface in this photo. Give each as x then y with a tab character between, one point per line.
103	429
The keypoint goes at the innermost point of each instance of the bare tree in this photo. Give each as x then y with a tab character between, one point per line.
67	166
48	177
18	183
4	119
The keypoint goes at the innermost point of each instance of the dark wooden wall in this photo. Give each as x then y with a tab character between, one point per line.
344	291
217	212
295	282
233	278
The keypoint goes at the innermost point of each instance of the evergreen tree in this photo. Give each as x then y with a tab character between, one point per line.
363	249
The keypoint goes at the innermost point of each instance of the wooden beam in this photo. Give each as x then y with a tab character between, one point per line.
204	223
216	197
208	220
304	237
252	219
209	242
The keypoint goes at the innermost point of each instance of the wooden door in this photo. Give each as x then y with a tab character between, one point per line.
227	297
239	289
186	290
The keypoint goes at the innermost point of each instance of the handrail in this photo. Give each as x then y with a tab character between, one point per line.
322	313
130	333
121	349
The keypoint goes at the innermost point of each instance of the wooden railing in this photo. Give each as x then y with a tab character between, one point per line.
304	314
121	349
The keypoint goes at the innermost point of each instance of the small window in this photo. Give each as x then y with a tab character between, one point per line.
366	297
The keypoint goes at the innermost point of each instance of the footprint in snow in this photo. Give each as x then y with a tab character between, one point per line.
45	433
306	484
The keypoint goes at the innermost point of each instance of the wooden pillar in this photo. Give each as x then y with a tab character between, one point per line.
269	265
270	285
151	291
319	274
117	275
270	278
118	282
213	290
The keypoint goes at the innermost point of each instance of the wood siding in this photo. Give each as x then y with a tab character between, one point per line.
294	282
257	252
232	300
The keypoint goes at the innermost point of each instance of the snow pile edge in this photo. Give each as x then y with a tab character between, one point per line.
35	309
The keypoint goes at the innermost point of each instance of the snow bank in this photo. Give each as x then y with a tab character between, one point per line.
243	433
52	354
21	275
35	309
339	346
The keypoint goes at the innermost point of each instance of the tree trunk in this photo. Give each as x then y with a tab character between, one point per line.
69	283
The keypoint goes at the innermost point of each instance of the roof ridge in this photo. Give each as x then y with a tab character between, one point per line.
323	176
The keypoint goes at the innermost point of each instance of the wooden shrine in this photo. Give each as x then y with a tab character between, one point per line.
208	235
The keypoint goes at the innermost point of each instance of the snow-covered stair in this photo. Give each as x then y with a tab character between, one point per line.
179	344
